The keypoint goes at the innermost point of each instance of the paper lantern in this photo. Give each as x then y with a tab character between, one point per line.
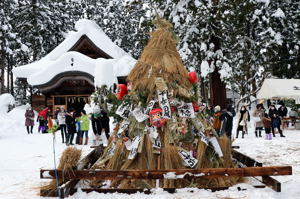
156	118
122	91
193	77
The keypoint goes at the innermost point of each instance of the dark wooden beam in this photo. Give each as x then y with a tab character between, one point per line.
163	174
271	182
244	159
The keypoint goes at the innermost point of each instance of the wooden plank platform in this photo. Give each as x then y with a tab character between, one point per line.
168	174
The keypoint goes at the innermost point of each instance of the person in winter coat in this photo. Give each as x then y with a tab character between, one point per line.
258	114
217	119
96	123
42	119
243	118
272	113
71	127
61	117
227	118
84	127
105	123
266	120
29	120
276	123
282	111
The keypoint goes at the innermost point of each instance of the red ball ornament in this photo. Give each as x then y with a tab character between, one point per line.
193	78
122	91
156	118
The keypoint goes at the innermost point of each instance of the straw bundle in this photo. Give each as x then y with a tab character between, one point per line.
159	59
68	161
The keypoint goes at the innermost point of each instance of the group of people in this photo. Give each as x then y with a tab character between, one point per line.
70	123
270	122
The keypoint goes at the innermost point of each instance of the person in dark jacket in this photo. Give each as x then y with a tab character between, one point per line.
105	123
71	127
272	113
282	111
29	120
227	119
276	123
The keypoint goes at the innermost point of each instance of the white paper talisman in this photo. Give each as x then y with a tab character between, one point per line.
149	107
134	146
123	126
164	103
186	110
157	143
111	151
128	144
187	158
201	135
215	143
139	115
152	131
124	110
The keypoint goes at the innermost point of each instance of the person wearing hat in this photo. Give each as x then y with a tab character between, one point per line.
217	119
227	118
84	127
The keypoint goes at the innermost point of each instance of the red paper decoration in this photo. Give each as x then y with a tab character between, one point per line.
193	77
156	118
122	88
195	106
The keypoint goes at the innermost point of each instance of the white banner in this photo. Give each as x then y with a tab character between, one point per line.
124	110
187	158
186	110
164	103
150	107
215	143
123	126
201	135
134	146
139	115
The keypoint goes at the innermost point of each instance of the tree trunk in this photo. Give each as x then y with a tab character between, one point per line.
218	90
7	74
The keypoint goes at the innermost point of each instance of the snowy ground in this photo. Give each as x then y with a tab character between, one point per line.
23	155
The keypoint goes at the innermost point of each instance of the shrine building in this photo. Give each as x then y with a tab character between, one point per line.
67	76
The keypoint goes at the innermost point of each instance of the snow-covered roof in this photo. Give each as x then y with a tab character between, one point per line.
61	60
280	89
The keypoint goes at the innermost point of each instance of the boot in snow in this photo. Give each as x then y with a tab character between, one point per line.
86	141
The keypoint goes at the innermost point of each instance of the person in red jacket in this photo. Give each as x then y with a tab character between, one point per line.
42	119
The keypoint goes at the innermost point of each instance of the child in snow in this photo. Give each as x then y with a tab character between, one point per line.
42	119
266	120
84	127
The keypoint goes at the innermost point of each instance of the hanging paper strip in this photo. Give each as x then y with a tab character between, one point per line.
124	110
164	103
111	151
139	115
134	146
215	143
187	158
123	126
150	106
186	110
152	131
201	135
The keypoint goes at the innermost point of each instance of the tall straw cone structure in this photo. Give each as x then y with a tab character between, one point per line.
159	59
